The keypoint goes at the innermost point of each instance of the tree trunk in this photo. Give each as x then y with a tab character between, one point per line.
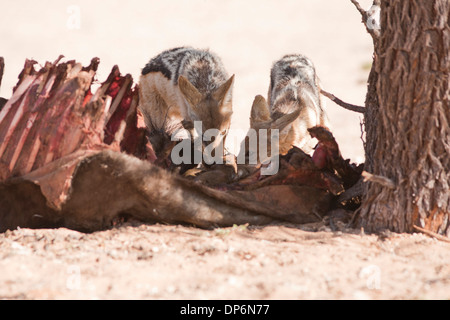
407	119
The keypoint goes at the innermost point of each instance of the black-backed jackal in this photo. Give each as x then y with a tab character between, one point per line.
183	85
294	103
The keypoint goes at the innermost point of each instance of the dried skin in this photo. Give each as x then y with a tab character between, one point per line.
87	186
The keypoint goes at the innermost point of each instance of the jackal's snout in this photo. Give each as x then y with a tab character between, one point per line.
214	110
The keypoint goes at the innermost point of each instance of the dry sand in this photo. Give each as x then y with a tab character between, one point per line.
175	262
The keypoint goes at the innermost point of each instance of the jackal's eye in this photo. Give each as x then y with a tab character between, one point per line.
224	132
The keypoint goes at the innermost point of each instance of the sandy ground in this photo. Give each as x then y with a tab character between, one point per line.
176	262
180	262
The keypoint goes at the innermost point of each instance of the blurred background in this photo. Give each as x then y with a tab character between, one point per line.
248	35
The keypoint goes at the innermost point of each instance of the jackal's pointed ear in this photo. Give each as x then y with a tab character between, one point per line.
224	95
283	121
192	95
259	113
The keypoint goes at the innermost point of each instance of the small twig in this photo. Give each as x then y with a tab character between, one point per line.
3	101
372	29
431	234
386	182
361	127
341	103
360	9
2	67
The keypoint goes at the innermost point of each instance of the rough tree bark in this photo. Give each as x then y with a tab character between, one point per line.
407	120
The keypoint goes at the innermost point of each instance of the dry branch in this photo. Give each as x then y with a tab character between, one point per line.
2	69
386	182
432	234
375	33
341	103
